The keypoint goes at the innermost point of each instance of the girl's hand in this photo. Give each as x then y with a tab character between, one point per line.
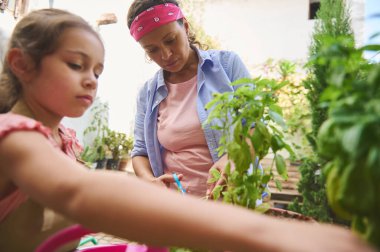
166	179
220	165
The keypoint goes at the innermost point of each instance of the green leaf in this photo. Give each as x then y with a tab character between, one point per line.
216	192
276	143
266	178
276	109
277	118
263	207
337	77
351	139
215	175
281	166
373	47
278	184
242	81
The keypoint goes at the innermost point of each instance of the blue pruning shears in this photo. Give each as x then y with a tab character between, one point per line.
176	179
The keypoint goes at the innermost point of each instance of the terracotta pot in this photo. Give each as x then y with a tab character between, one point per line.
282	213
123	164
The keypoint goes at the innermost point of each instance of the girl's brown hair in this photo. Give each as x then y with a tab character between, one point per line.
37	35
139	6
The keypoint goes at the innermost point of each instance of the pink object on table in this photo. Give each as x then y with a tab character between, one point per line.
62	237
105	248
122	248
75	232
144	248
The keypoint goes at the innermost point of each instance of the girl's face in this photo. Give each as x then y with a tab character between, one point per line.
168	46
66	81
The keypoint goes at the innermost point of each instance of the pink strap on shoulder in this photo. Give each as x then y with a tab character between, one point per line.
11	202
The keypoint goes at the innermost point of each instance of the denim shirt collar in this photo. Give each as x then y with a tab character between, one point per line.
204	61
204	58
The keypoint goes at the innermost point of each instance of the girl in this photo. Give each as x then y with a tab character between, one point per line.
51	71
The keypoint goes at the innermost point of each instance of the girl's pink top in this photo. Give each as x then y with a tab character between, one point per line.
180	133
12	122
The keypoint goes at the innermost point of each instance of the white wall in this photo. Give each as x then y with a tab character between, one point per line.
255	29
262	29
125	66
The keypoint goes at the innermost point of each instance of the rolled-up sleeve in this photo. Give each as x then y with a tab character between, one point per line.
139	146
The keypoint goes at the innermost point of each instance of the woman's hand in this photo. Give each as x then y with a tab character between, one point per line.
165	180
220	165
143	170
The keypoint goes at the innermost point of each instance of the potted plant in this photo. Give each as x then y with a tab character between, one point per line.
94	155
100	150
234	114
95	151
118	145
127	145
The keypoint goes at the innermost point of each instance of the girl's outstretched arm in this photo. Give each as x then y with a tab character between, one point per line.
128	207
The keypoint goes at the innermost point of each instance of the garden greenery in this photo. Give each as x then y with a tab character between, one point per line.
234	114
350	138
333	20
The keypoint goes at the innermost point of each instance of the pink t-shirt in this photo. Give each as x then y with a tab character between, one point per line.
12	122
181	135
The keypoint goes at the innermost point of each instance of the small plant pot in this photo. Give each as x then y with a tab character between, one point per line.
290	215
101	164
113	164
123	163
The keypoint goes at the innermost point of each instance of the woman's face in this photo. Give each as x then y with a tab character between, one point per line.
168	46
66	82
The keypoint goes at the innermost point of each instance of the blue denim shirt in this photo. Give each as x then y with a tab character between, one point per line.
216	70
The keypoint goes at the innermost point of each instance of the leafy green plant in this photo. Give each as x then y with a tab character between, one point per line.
117	143
88	156
312	186
97	129
292	99
234	113
333	19
349	139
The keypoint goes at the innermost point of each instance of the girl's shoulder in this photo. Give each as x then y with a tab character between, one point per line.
71	144
11	122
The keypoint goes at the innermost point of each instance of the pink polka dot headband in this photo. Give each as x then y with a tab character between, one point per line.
153	18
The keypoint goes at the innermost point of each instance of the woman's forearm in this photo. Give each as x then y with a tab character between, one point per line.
142	167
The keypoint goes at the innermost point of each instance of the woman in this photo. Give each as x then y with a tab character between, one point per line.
169	137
